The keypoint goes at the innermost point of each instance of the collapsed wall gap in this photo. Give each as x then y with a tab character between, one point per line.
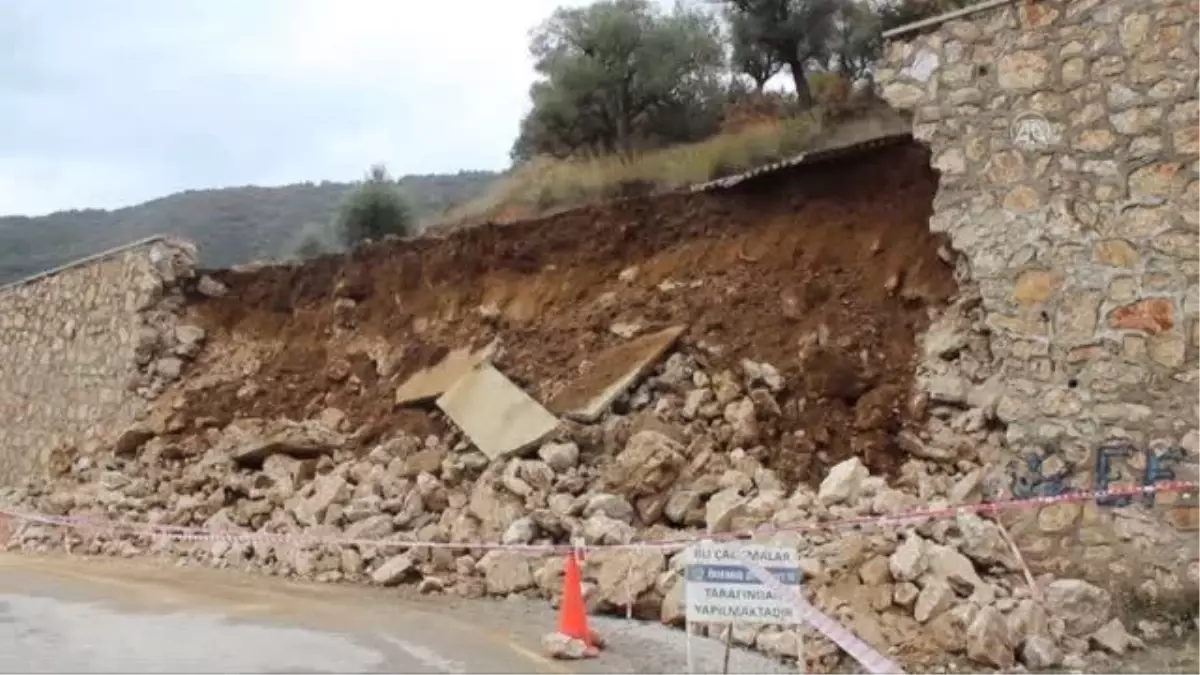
827	271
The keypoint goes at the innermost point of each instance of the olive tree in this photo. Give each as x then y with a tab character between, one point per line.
747	56
618	75
374	209
797	33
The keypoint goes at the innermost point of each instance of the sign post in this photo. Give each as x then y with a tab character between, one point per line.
720	587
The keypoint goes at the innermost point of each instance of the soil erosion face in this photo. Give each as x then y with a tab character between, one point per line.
828	272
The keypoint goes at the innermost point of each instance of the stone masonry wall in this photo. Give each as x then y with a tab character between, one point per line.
82	350
1082	244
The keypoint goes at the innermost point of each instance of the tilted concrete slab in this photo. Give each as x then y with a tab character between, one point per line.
429	383
498	417
612	372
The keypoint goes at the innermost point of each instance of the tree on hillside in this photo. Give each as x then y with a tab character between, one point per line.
621	74
797	33
856	42
374	209
746	55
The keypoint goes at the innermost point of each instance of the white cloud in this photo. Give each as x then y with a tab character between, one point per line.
113	103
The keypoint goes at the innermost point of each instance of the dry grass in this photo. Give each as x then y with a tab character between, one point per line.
545	184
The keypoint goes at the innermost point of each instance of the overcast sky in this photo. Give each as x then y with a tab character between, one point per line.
110	103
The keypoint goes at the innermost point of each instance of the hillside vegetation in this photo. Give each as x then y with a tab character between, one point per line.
629	98
632	98
231	226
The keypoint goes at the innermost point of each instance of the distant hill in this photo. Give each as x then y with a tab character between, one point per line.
231	225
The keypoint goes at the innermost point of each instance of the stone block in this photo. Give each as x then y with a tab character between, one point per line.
1153	180
498	417
1116	253
1135	120
1152	315
1167	349
1035	285
1186	141
1075	320
1023	71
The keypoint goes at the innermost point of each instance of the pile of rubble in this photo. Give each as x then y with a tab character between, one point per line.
682	459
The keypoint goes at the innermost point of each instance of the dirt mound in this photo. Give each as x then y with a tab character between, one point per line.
826	272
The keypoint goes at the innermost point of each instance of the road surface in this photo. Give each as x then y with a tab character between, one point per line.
63	614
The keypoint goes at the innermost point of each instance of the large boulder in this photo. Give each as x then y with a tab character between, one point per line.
649	464
506	572
494	508
328	490
1084	608
303	440
624	578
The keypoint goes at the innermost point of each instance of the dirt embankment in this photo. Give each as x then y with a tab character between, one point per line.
827	272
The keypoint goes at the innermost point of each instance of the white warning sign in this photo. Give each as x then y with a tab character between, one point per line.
719	588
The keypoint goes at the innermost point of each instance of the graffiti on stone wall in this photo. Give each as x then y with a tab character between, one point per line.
1048	474
1031	480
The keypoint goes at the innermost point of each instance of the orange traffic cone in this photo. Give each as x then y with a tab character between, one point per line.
572	614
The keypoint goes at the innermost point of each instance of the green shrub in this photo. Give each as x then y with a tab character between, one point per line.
375	209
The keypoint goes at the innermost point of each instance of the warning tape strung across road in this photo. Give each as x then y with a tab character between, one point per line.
183	533
869	658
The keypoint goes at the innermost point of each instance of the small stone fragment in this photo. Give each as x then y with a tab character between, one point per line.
394	570
559	456
1113	638
1040	653
210	287
935	598
909	561
843	482
987	639
566	648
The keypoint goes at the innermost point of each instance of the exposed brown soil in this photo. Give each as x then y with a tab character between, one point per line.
840	249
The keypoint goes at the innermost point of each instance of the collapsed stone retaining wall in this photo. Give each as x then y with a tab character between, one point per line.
80	348
1066	137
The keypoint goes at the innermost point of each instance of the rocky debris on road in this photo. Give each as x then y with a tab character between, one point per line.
688	452
303	417
654	468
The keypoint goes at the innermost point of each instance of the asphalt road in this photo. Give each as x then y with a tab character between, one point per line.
65	615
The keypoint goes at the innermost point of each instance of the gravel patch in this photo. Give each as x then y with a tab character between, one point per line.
644	647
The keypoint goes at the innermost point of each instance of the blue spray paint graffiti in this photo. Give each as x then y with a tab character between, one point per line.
1033	482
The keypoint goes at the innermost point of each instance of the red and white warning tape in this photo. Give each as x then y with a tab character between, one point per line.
183	533
870	659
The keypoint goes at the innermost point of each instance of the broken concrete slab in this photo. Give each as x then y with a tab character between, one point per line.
429	383
498	417
612	372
